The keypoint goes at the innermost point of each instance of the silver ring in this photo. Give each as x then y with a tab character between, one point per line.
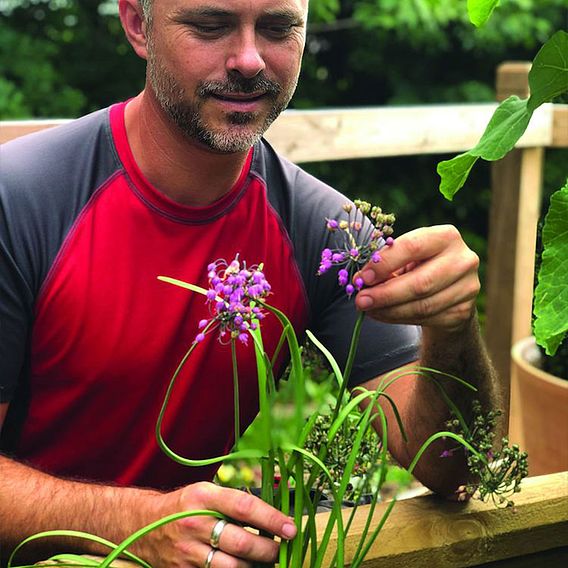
209	558
216	534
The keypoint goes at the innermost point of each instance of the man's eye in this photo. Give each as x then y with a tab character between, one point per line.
278	31
210	30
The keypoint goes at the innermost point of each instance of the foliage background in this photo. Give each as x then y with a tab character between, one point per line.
65	58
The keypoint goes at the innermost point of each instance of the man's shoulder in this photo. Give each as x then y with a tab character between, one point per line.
54	152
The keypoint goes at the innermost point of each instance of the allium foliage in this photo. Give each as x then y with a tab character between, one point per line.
233	296
360	242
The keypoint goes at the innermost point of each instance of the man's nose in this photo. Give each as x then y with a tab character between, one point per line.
245	56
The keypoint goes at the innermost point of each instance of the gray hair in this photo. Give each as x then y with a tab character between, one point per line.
146	9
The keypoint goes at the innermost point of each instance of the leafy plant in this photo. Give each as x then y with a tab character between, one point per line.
548	79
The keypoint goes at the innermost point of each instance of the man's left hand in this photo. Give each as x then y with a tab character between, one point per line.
428	277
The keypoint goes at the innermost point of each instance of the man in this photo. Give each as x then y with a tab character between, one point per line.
163	185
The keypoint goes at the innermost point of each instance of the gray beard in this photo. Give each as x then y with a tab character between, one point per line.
236	137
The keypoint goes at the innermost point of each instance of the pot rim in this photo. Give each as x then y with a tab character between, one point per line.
519	353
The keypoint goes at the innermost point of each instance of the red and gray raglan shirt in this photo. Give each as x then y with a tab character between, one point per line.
89	337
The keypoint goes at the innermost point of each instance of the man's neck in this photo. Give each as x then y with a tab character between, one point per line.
184	171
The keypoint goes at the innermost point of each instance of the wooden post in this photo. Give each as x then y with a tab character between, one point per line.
515	208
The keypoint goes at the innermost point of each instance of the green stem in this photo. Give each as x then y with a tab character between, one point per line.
437	436
151	527
236	392
349	363
73	534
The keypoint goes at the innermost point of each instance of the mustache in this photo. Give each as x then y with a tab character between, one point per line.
238	84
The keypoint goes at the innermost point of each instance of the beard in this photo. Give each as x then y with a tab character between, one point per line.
242	129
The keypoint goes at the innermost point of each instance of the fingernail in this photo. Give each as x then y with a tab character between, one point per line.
368	277
364	302
289	530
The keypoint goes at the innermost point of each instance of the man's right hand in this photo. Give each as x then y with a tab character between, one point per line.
187	542
32	501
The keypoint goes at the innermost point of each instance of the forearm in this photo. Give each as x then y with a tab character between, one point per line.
32	501
462	354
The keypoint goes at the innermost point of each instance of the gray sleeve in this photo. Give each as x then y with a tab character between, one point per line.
46	179
16	301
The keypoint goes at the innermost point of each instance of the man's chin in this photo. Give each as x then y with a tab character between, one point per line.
231	140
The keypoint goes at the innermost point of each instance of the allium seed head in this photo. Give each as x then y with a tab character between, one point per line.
359	241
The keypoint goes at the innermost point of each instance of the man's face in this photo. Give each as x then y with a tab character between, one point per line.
224	70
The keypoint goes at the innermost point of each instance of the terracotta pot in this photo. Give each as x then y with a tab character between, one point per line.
539	411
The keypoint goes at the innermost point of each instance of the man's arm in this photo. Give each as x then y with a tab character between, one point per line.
429	278
32	501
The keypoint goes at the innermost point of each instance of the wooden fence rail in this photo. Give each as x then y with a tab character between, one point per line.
338	134
428	532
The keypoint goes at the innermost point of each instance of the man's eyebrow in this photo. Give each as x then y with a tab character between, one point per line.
216	12
203	12
283	14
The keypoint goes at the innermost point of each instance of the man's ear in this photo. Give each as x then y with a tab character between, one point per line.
134	25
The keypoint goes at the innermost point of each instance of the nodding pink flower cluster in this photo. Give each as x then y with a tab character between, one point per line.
233	296
361	242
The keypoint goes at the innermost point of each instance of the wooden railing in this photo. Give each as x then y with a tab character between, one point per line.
427	532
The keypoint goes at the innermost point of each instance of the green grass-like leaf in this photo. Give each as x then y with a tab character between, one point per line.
551	294
480	11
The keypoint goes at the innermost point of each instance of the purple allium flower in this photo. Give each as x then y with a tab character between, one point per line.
232	297
324	266
359	240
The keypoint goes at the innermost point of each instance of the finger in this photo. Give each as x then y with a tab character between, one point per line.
460	495
234	540
200	552
448	308
248	509
424	285
415	246
424	281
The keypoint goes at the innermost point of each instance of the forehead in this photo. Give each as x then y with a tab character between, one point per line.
236	7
